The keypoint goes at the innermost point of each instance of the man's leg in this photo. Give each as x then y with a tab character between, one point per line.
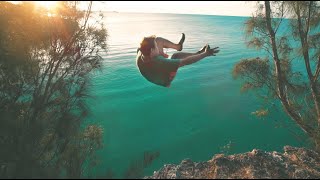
181	55
164	43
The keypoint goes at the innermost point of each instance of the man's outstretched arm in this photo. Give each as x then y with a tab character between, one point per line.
197	57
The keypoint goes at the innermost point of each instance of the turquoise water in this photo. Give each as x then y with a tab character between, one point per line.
201	112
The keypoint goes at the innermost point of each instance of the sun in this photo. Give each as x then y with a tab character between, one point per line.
47	4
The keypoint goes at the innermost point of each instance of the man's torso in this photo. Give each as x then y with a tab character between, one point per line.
158	70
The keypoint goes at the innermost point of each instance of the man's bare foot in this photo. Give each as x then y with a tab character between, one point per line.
181	42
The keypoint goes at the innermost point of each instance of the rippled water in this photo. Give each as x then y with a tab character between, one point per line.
201	112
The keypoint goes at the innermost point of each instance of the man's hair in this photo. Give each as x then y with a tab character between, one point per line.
147	44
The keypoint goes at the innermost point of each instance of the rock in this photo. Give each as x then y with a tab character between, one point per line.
294	163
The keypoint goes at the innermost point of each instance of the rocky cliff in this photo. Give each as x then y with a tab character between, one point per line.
294	163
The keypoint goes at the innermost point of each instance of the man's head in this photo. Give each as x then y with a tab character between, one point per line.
148	46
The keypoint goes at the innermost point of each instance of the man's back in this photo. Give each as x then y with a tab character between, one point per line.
158	70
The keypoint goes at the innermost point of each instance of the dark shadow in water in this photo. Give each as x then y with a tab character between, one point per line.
136	167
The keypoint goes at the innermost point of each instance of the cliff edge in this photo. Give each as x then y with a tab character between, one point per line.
294	163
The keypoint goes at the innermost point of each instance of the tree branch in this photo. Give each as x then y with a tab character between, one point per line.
317	72
308	20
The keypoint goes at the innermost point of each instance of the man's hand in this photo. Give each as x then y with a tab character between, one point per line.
211	52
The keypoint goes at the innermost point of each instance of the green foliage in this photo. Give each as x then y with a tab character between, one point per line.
255	73
44	66
261	112
298	91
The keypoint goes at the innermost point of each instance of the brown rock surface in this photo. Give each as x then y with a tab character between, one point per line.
294	163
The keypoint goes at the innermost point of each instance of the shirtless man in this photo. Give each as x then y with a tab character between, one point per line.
155	65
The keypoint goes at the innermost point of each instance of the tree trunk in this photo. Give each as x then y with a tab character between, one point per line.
305	50
280	85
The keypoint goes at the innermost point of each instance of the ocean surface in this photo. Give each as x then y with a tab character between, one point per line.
198	116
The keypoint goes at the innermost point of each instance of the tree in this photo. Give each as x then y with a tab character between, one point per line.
297	91
45	63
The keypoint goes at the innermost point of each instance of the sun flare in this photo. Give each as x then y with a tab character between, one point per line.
47	4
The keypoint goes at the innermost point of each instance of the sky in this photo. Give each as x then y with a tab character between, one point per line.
226	8
229	8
